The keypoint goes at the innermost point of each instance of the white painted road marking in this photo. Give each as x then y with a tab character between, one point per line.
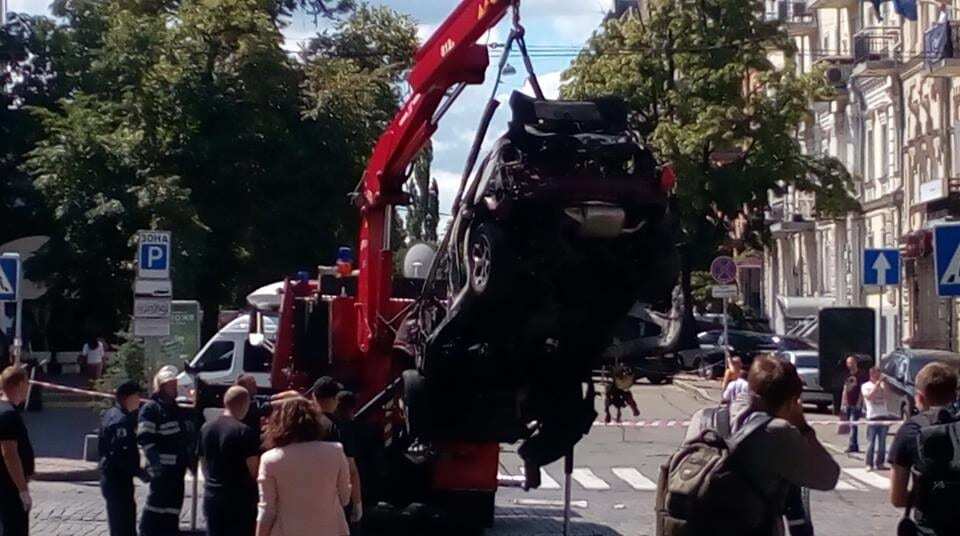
588	480
634	478
876	480
846	485
546	482
547	502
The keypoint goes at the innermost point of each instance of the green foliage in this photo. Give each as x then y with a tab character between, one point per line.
127	363
190	116
707	98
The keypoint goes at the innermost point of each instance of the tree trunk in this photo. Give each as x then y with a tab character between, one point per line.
688	330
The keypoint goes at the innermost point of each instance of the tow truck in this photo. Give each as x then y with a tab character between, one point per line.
345	323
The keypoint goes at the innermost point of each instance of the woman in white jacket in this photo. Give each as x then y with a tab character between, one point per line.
304	481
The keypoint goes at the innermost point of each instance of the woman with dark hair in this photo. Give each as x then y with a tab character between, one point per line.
304	481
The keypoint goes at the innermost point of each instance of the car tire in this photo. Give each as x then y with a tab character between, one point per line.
823	407
487	266
416	403
656	379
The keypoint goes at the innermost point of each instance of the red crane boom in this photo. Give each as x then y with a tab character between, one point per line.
450	57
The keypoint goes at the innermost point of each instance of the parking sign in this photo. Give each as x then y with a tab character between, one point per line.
153	255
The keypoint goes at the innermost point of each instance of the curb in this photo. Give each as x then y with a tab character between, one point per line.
65	470
691	388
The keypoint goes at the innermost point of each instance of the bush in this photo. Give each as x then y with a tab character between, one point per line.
127	363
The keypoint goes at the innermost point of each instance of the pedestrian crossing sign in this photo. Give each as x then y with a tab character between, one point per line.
9	277
946	255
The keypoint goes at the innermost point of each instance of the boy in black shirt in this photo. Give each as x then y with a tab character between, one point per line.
231	458
18	463
936	386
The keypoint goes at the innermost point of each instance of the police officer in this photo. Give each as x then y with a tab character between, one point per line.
166	435
120	460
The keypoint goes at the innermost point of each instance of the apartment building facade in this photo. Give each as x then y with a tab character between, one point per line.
894	122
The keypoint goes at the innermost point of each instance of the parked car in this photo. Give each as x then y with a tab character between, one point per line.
708	360
635	344
808	367
900	368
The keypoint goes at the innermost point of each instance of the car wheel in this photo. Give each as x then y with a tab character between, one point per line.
697	365
656	379
485	268
823	407
415	403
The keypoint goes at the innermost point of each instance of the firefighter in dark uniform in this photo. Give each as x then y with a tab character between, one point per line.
120	460
166	433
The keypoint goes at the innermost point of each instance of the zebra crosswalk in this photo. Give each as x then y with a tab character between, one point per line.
632	478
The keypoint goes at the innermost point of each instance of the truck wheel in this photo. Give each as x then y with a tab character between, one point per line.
486	269
415	403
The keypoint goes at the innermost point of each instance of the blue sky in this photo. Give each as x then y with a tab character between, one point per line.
565	23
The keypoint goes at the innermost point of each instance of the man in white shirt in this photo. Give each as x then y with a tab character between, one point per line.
737	389
875	400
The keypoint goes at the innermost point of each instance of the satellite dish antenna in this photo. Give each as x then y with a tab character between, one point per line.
416	263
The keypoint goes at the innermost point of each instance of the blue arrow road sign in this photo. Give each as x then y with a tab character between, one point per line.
881	267
946	256
9	277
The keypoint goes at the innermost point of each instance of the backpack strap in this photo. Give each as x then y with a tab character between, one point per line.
717	419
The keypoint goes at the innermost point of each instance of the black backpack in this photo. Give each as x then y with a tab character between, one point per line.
936	492
703	491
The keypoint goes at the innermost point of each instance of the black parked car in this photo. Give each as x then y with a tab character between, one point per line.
708	359
900	368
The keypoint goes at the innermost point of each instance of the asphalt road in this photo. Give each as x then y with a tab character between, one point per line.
612	486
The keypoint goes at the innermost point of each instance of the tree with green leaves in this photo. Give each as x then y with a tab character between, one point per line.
423	214
190	116
706	96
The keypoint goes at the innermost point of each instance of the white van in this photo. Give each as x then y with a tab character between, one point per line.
229	354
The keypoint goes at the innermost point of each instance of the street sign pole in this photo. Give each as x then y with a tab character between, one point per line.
726	339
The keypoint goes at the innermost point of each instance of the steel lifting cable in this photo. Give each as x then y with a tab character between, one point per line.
516	36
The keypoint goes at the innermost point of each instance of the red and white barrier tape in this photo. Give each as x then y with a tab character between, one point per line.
656	423
665	423
68	389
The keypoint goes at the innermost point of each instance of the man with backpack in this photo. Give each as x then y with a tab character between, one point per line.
738	484
926	447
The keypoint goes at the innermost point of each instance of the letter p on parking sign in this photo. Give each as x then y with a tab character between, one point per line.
153	255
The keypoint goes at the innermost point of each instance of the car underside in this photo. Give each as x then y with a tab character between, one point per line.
561	231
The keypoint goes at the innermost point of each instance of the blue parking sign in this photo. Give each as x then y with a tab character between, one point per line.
881	267
9	277
946	256
153	255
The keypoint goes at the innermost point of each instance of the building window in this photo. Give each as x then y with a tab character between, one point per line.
956	149
871	172
884	152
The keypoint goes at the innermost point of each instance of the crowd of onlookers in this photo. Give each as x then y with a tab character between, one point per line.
770	450
285	465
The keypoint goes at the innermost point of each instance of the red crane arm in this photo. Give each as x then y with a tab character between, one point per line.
450	57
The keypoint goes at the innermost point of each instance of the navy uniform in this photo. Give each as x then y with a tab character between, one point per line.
166	433
120	463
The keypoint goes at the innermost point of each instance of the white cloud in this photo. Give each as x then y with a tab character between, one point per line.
33	7
550	84
447	182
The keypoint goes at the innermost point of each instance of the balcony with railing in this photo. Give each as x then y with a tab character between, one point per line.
875	53
791	213
941	49
796	18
